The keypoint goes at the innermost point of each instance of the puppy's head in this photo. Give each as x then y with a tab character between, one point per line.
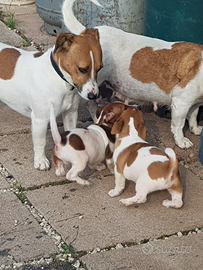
109	113
79	58
122	127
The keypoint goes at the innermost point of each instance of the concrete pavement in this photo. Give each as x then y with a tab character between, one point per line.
47	222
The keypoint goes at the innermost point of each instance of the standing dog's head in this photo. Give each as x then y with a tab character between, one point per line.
79	58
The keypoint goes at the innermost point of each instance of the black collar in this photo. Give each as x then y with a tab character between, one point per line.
58	71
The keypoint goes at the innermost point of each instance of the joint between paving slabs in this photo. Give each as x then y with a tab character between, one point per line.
68	253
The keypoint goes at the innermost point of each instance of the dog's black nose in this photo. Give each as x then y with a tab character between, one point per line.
91	96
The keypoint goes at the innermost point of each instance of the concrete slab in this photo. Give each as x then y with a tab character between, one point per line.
87	217
24	17
13	122
175	253
8	36
36	34
3	183
22	238
18	157
159	134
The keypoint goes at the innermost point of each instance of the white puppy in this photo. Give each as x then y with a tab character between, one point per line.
152	70
82	147
30	81
148	166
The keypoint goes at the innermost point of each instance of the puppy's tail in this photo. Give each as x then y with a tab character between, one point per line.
54	129
70	21
173	171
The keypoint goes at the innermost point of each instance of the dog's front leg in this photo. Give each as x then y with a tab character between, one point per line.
39	129
119	185
179	111
70	116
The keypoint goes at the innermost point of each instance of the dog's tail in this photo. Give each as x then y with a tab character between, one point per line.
70	21
173	170
54	129
172	158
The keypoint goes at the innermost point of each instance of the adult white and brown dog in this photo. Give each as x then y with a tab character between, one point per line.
152	70
30	81
137	160
81	147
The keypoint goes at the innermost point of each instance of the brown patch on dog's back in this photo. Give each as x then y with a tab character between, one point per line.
76	142
167	67
38	54
157	151
128	156
158	170
8	59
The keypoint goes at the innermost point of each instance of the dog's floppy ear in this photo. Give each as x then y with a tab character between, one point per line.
142	130
117	126
109	116
91	31
63	42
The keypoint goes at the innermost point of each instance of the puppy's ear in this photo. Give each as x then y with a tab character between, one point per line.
142	130
91	31
117	126
109	116
63	42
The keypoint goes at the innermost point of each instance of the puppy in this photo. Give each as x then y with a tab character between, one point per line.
149	167
82	147
151	70
30	81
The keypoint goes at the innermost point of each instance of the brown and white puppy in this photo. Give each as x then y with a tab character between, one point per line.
82	147
149	167
30	81
151	70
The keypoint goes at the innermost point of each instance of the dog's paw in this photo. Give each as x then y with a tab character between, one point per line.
114	192
126	202
81	181
196	130
84	182
184	143
97	167
174	203
42	165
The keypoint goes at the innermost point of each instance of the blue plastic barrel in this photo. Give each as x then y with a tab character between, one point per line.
174	20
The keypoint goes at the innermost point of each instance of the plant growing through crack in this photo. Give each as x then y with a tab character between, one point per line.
8	18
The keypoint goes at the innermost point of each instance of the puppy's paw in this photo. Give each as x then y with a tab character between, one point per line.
126	202
184	143
83	182
174	203
97	167
42	164
114	192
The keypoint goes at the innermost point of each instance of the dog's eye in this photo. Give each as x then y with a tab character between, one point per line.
83	70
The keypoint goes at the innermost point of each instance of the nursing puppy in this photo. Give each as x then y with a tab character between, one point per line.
151	70
82	147
149	167
30	81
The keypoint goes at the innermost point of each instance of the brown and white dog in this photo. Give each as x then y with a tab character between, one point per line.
152	70
137	160
82	147
30	81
